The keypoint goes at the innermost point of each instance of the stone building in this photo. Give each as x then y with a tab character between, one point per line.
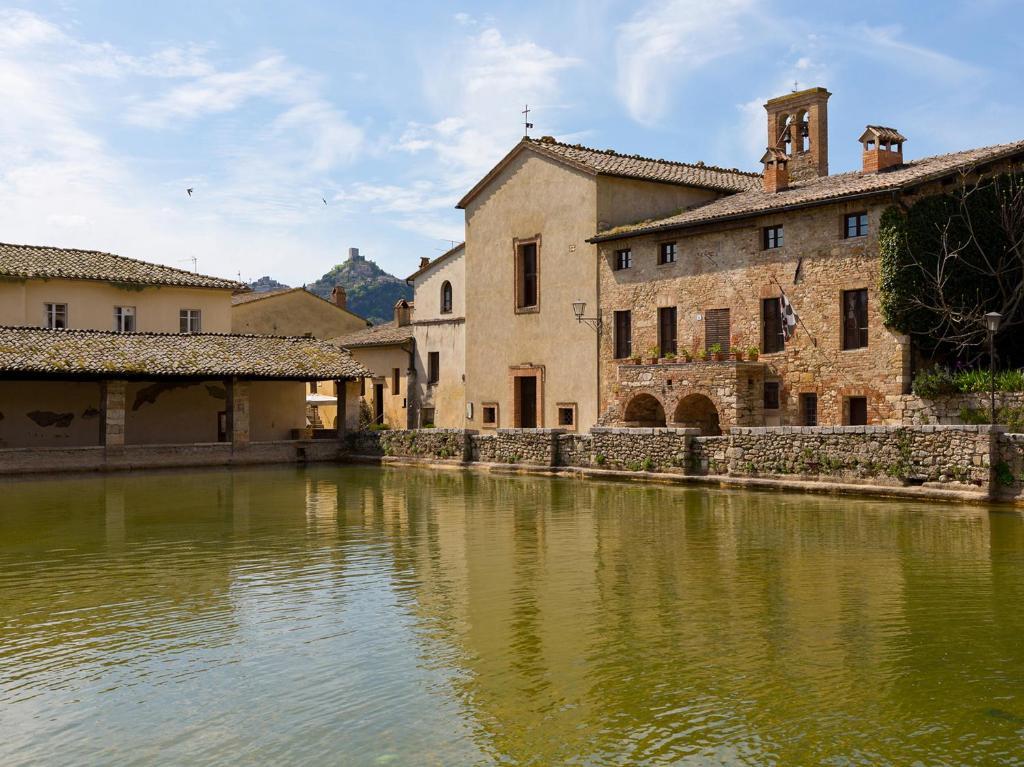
712	276
439	331
128	363
528	258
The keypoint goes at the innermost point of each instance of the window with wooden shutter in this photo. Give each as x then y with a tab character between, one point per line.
623	335
772	338
855	319
716	329
528	276
667	330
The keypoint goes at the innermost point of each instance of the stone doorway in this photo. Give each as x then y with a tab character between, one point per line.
644	410
696	411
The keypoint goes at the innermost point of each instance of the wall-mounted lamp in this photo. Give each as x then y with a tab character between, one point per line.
578	308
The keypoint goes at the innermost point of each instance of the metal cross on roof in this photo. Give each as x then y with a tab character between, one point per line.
526	120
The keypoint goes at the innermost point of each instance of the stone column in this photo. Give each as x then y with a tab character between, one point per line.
112	413
238	412
340	393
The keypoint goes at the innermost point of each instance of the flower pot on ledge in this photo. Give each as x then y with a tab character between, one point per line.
718	356
652	360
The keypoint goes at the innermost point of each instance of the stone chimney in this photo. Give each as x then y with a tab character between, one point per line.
424	262
776	170
403	313
339	297
883	148
798	125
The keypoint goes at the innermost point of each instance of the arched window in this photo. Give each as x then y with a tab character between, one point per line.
446	298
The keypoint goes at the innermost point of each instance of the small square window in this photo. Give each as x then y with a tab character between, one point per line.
856	225
771	395
567	415
489	411
667	253
56	316
190	321
771	237
623	259
124	319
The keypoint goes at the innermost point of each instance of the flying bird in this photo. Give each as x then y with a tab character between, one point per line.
325	201
189	190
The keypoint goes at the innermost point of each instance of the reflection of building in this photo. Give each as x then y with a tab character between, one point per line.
439	330
102	351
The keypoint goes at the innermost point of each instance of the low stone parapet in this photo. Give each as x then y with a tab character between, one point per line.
529	446
642	449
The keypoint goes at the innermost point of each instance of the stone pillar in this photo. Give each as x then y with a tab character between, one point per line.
112	413
340	393
238	412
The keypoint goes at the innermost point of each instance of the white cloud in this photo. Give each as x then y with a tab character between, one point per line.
665	42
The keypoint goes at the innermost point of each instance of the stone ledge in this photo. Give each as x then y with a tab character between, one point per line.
530	431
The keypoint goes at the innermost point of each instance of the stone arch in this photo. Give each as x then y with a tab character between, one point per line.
644	410
697	411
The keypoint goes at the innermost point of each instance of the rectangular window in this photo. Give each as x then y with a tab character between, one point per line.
772	338
716	328
433	367
490	414
856	225
124	319
427	417
56	316
623	259
395	380
667	330
623	335
528	276
855	319
771	395
312	387
190	321
809	409
667	253
567	415
858	411
771	237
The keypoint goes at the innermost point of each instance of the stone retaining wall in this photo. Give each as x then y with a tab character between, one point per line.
709	455
911	409
575	450
538	447
1009	468
642	449
482	447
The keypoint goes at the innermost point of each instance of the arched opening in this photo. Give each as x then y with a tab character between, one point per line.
695	411
644	410
446	298
803	128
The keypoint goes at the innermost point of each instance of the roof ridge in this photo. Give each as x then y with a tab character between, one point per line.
611	152
155	333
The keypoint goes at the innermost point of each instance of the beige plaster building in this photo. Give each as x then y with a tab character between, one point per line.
106	353
298	312
714	275
529	363
386	351
439	332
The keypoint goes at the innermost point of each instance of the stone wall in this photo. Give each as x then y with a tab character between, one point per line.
574	450
538	447
947	455
482	447
641	449
911	409
709	455
438	444
1009	467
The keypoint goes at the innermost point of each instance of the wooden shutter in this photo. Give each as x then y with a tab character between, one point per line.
667	330
716	328
772	339
623	335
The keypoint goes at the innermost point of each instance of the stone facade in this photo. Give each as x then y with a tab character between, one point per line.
642	449
575	450
528	446
911	409
436	444
709	455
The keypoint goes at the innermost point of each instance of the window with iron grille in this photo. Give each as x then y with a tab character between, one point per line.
716	329
667	330
772	337
623	334
771	237
667	253
623	259
856	225
855	319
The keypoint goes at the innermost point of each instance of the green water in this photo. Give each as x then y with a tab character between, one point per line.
363	616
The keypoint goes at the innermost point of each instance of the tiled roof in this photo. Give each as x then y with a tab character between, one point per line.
378	335
256	295
430	265
818	191
106	354
881	133
609	163
46	263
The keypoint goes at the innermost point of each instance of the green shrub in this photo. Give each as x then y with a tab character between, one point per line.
1003	474
933	383
599	459
647	464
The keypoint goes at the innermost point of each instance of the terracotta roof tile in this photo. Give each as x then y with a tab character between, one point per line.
819	190
377	335
107	354
256	295
42	262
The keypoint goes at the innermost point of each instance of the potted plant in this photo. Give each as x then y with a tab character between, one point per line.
684	356
652	355
701	355
635	359
736	349
669	358
753	353
716	352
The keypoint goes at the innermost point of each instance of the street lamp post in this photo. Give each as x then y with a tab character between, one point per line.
992	320
578	308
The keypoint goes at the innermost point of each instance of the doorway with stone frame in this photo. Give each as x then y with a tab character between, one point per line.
527	397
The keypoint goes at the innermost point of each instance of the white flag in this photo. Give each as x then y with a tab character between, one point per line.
789	317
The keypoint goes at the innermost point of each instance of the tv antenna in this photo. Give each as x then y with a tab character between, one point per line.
526	120
195	263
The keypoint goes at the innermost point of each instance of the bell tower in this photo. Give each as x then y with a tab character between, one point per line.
798	125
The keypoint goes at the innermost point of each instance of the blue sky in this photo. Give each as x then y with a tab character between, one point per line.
390	111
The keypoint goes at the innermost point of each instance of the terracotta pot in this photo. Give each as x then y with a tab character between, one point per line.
718	356
738	356
753	357
652	360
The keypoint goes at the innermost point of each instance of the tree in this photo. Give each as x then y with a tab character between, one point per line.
949	259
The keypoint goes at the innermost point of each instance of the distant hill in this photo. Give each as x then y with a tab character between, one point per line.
263	284
372	292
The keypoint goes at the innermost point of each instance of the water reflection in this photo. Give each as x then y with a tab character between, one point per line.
414	617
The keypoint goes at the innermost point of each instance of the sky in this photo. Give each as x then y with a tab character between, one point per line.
391	111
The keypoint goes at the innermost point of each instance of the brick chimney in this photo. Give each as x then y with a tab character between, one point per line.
883	148
403	313
339	297
798	125
776	170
